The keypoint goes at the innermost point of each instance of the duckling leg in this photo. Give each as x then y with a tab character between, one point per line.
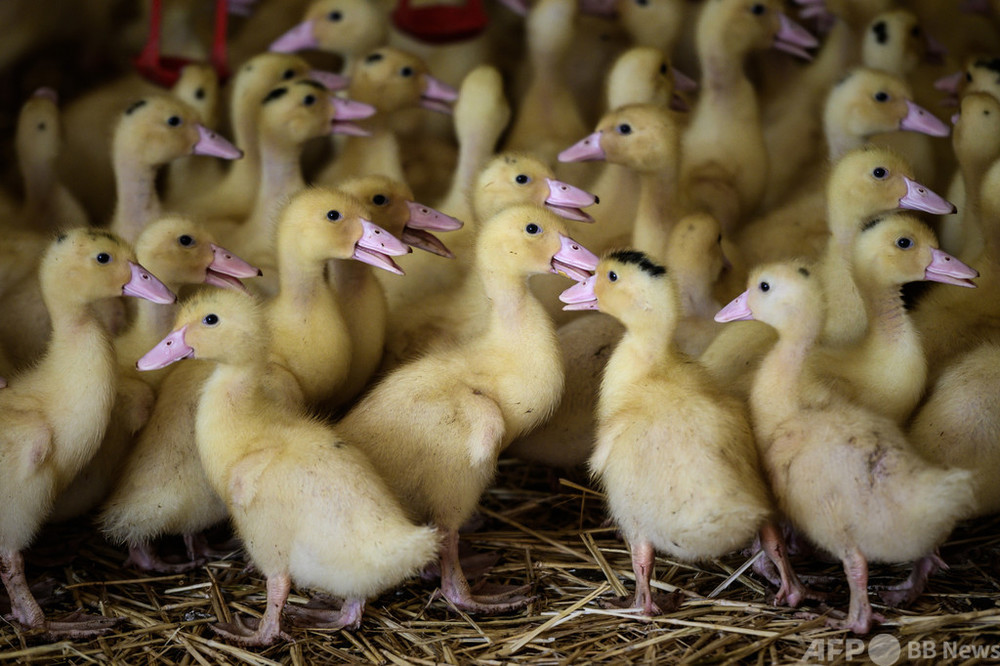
908	591
144	558
318	614
859	615
26	611
643	566
791	590
455	586
268	629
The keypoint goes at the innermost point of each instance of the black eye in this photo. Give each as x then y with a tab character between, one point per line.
532	228
41	126
103	258
199	93
881	96
174	121
406	72
334	16
521	179
968	77
380	200
915	31
758	9
333	215
765	286
624	128
642	3
719	239
904	243
185	240
612	276
663	68
210	320
880	172
309	100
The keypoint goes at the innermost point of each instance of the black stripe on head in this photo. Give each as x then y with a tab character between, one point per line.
315	84
277	93
881	31
374	57
868	224
639	259
94	234
803	271
135	105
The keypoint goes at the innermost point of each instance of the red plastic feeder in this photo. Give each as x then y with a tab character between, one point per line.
165	70
441	24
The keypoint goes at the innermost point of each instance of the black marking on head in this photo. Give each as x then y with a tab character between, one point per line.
881	31
803	271
871	223
135	105
61	237
639	259
314	84
277	93
374	57
507	159
95	234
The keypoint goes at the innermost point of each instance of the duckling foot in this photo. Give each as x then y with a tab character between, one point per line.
317	614
80	625
455	586
860	617
907	592
144	558
267	630
791	591
474	566
656	603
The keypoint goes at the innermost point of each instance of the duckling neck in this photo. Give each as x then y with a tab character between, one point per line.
846	315
152	320
774	397
656	211
137	202
644	349
231	402
280	177
302	282
887	316
840	140
378	153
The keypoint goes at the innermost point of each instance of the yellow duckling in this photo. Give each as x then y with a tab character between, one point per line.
309	507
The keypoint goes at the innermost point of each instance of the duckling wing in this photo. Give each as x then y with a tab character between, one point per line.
29	442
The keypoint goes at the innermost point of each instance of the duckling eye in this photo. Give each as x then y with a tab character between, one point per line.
758	9
968	77
904	243
624	128
533	228
334	16
210	320
719	239
663	68
287	74
333	215
642	3
309	100
915	31
380	200
199	93
174	121
41	126
880	172
764	286
406	71
103	258
186	240
612	276
881	96
521	179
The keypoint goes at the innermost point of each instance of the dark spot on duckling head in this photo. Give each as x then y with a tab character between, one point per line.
199	93
868	224
637	258
803	271
374	57
277	93
881	31
135	105
61	237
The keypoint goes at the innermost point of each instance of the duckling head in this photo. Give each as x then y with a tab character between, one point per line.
160	128
391	206
198	86
304	109
337	26
868	102
742	26
86	265
695	246
525	240
643	137
181	251
38	128
220	325
894	41
644	75
390	80
977	129
785	295
513	178
326	224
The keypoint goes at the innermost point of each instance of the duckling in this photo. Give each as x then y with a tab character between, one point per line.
886	370
349	28
181	253
846	477
476	396
668	438
48	206
308	507
198	86
389	80
656	24
724	166
150	133
55	413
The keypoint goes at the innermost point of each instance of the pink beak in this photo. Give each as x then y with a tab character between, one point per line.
919	119
376	245
573	260
737	310
226	269
299	38
210	143
170	349
793	38
946	268
144	285
581	295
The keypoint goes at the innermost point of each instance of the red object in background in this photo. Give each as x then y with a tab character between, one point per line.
441	24
165	70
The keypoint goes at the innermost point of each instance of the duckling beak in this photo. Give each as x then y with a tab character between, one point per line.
919	119
918	197
169	349
424	219
936	52
226	269
332	82
47	93
581	295
519	7
210	143
376	245
566	200
950	83
144	285
588	148
946	268
682	81
793	38
299	38
573	260
438	95
737	310
346	110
